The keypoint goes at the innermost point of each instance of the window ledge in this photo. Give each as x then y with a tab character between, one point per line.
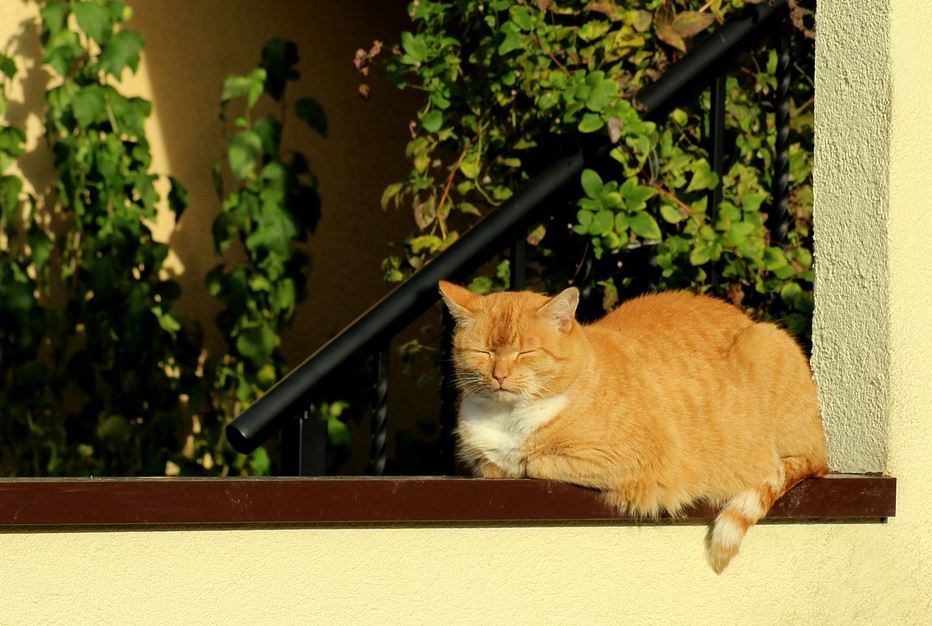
37	502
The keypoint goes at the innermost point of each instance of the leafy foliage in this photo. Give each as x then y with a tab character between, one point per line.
97	371
509	84
271	209
99	374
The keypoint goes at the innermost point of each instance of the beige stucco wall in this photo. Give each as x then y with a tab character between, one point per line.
852	185
874	368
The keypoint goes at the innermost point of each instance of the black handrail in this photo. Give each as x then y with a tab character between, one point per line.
285	400
696	68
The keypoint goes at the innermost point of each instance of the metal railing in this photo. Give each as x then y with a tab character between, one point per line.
284	405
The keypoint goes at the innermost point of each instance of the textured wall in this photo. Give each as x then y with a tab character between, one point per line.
787	574
790	574
851	325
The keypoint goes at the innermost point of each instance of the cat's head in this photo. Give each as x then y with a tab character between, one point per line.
514	346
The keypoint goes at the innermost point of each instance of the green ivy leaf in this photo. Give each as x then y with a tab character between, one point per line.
121	51
7	66
703	177
90	106
260	462
679	117
40	246
269	129
521	16
591	183
789	291
244	153
584	218
54	17
804	302
63	53
750	202
590	123
425	243
481	285
603	222
702	254
391	192
432	121
602	94
470	165
251	85
415	48
671	213
167	321
93	20
257	343
310	111
774	259
279	56
513	39
284	296
636	195
644	225
10	188
595	29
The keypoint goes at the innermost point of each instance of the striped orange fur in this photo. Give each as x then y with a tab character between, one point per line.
670	399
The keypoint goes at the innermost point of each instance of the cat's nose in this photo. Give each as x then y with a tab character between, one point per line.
500	378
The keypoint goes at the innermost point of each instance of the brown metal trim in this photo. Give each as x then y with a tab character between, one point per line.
245	501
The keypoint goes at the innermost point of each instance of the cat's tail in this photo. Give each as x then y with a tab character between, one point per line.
746	508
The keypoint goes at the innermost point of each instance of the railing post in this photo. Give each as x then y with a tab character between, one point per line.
448	396
518	263
304	447
716	152
378	453
781	218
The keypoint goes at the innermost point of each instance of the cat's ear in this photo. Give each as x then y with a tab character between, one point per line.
562	309
462	303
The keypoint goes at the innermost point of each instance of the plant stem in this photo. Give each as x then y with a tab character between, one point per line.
446	190
669	195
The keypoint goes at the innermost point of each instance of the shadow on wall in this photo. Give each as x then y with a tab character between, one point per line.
27	111
191	47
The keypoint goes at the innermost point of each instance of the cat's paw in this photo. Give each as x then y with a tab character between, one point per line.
486	469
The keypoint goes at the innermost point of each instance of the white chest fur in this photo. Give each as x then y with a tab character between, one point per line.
500	429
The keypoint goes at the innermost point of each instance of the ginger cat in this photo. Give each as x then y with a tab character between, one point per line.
669	399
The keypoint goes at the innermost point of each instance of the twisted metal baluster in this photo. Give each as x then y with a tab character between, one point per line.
780	217
717	152
378	453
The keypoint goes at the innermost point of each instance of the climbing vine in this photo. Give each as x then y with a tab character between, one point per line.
121	367
510	84
99	372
